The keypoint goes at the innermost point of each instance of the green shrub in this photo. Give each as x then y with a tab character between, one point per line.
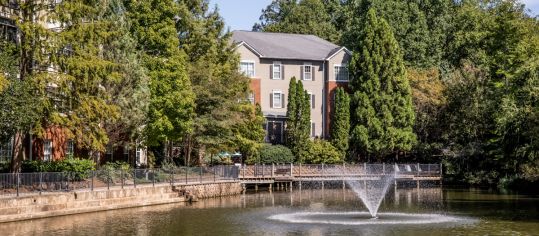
273	154
79	168
117	165
67	165
321	151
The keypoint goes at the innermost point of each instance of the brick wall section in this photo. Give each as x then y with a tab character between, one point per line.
331	87
255	88
58	137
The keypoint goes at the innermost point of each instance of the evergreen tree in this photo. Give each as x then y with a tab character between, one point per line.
382	111
171	107
130	93
291	113
420	27
298	122
340	122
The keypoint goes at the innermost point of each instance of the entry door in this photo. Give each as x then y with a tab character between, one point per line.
275	132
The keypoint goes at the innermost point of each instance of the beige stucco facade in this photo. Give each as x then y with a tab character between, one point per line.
322	72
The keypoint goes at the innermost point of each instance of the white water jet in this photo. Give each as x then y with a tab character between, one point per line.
371	185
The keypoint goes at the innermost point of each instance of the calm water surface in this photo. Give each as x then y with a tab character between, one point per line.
479	212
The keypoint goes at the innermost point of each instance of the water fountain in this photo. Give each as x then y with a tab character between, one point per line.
372	186
370	182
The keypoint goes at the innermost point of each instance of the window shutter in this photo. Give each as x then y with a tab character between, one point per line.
271	100
282	72
301	72
271	71
283	104
313	101
313	72
313	131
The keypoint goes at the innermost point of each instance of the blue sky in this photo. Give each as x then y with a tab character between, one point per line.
242	14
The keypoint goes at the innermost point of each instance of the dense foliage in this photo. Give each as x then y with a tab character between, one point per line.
159	73
78	168
340	122
273	154
382	113
323	152
298	122
472	67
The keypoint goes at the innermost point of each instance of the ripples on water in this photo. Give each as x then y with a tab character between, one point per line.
427	211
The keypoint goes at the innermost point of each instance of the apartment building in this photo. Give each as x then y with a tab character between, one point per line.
54	144
272	59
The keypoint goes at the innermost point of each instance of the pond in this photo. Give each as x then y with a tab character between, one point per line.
314	211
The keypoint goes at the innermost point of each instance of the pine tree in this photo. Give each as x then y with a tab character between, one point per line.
130	93
340	122
382	111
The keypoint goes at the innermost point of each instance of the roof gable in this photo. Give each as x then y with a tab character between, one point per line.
286	46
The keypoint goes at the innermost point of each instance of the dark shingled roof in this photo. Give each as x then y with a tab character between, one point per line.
287	46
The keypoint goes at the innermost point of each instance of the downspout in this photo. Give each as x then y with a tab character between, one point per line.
324	99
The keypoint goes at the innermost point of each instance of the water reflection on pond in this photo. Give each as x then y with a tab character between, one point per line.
479	212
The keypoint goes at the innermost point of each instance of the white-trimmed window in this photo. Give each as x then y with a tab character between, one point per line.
47	150
312	98
341	72
277	99
307	71
248	68
70	148
251	97
276	70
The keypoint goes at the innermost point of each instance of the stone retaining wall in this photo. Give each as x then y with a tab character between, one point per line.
55	204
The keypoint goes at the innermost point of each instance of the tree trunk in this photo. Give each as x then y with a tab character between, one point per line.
188	147
18	152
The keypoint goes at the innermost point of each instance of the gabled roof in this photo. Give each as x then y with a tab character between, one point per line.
287	46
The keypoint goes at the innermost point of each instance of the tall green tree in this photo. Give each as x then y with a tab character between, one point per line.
34	46
340	122
171	106
216	81
300	17
382	111
419	26
130	92
298	121
91	71
249	134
